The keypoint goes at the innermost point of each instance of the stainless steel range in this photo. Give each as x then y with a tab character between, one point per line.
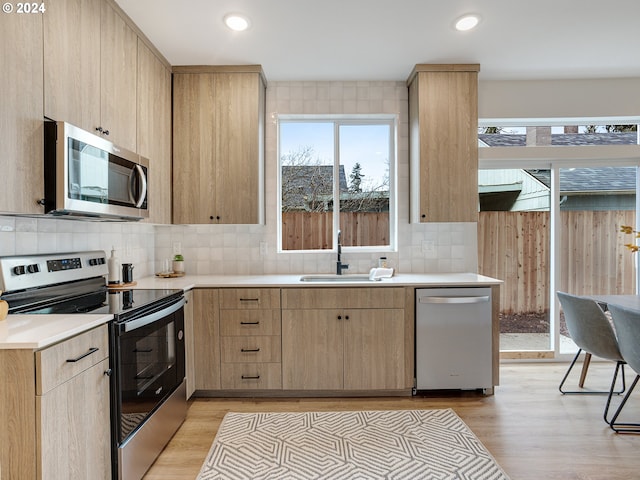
148	393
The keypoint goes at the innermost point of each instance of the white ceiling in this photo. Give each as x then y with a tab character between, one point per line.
384	39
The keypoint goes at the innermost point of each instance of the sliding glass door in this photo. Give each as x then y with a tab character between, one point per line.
514	232
552	203
595	202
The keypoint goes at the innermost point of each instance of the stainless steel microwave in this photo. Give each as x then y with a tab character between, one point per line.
87	175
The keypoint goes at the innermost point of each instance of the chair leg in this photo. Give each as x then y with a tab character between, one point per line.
585	367
625	427
619	366
573	362
583	376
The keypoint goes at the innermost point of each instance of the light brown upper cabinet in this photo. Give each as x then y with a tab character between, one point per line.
154	130
21	128
90	68
218	144
443	139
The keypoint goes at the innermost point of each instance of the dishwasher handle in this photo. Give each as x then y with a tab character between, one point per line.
454	300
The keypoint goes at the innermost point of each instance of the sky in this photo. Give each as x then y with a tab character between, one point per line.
364	144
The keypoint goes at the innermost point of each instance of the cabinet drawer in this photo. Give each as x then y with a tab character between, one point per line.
250	349
249	322
310	298
63	361
249	298
251	376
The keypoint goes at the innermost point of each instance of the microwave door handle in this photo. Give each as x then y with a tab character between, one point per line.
143	182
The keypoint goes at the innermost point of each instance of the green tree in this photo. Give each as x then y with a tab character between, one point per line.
356	179
611	128
490	130
621	128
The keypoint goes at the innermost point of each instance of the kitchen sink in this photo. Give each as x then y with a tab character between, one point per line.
336	278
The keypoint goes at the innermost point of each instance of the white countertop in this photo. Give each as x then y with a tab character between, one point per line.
293	280
39	331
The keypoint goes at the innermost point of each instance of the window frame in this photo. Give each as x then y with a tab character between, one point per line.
555	158
338	120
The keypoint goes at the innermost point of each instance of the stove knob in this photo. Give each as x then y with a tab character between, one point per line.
19	270
93	262
34	268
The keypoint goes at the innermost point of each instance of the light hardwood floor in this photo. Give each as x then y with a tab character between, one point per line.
533	431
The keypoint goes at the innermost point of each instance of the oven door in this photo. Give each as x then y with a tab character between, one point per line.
148	365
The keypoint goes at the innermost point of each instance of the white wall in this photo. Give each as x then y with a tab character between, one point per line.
612	97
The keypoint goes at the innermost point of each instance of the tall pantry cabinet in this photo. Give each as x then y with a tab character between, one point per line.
218	144
21	129
443	142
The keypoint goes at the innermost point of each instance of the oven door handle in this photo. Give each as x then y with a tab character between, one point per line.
153	317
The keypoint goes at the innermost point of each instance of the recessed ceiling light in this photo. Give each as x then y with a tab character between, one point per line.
467	22
236	21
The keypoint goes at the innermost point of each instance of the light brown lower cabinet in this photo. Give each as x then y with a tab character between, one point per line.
206	332
74	427
250	341
343	349
343	339
54	418
337	340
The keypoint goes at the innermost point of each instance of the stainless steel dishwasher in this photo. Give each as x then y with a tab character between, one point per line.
453	339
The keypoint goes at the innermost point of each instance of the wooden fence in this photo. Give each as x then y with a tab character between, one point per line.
515	247
512	246
313	230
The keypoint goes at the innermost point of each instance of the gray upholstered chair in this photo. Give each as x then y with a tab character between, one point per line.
592	332
627	323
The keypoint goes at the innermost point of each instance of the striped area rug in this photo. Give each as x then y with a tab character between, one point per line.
393	444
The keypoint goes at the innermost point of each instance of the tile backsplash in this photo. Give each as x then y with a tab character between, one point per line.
134	242
251	249
236	249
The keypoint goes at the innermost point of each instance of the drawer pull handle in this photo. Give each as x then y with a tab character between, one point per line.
86	354
249	323
249	350
249	299
250	377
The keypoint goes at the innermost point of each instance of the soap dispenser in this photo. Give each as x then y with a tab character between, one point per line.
114	268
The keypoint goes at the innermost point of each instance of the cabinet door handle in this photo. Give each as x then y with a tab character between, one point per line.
86	354
250	377
249	350
249	323
249	299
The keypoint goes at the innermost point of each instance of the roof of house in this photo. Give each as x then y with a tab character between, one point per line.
562	139
302	184
590	179
578	179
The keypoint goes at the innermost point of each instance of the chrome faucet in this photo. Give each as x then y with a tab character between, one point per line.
339	265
